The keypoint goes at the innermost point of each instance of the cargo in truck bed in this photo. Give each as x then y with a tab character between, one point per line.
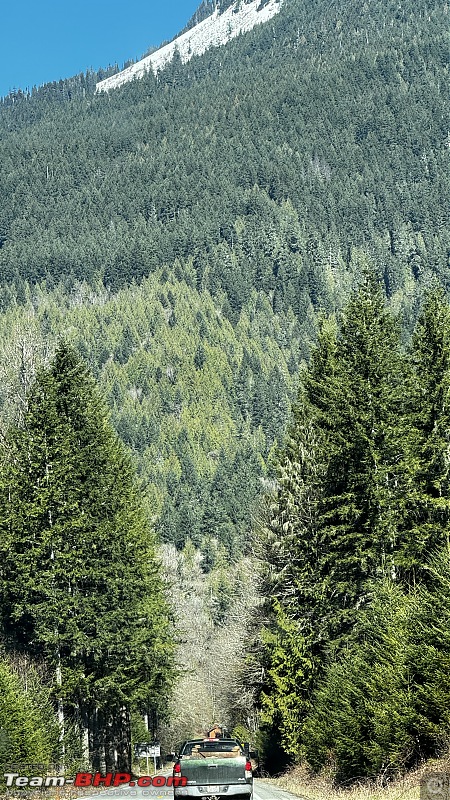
215	769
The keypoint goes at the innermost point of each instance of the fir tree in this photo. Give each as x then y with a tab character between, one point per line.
425	523
360	718
428	658
332	527
359	411
294	634
79	578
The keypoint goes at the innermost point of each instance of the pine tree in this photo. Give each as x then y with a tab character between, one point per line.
294	631
332	526
425	523
361	713
79	578
360	414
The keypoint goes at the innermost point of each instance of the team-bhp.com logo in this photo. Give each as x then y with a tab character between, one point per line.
83	779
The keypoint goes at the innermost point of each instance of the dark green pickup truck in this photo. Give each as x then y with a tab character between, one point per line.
216	769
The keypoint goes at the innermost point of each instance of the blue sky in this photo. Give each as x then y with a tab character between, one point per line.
45	40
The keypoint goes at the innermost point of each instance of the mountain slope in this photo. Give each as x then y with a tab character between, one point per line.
215	30
269	163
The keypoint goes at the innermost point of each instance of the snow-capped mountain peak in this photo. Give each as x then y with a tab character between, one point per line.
217	29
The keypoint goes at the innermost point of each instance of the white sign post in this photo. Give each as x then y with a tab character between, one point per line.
148	751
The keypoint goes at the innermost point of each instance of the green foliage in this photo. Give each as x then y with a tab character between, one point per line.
241	733
199	450
139	732
315	142
384	705
288	685
315	134
426	433
360	723
361	449
428	658
80	582
355	656
26	727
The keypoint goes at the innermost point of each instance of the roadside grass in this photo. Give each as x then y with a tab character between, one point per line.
301	782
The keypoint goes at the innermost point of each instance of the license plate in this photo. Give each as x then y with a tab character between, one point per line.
213	789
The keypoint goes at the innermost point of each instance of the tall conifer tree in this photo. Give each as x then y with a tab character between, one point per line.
79	578
295	635
425	524
362	454
332	522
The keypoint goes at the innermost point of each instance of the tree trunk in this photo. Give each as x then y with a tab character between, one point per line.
61	721
110	744
99	751
84	737
124	755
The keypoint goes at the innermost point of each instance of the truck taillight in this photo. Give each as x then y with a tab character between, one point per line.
177	768
248	769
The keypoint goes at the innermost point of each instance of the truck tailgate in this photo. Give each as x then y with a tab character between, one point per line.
203	771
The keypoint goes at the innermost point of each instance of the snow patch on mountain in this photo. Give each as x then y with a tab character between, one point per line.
215	30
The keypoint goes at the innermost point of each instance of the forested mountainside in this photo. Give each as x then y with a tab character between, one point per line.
338	110
184	237
200	404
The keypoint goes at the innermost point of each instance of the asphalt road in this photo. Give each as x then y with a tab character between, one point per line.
262	790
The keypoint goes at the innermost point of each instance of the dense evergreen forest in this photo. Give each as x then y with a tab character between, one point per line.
338	110
352	649
169	253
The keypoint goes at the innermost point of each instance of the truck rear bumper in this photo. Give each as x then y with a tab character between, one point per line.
244	791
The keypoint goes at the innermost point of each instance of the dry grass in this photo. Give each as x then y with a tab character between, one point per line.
300	782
